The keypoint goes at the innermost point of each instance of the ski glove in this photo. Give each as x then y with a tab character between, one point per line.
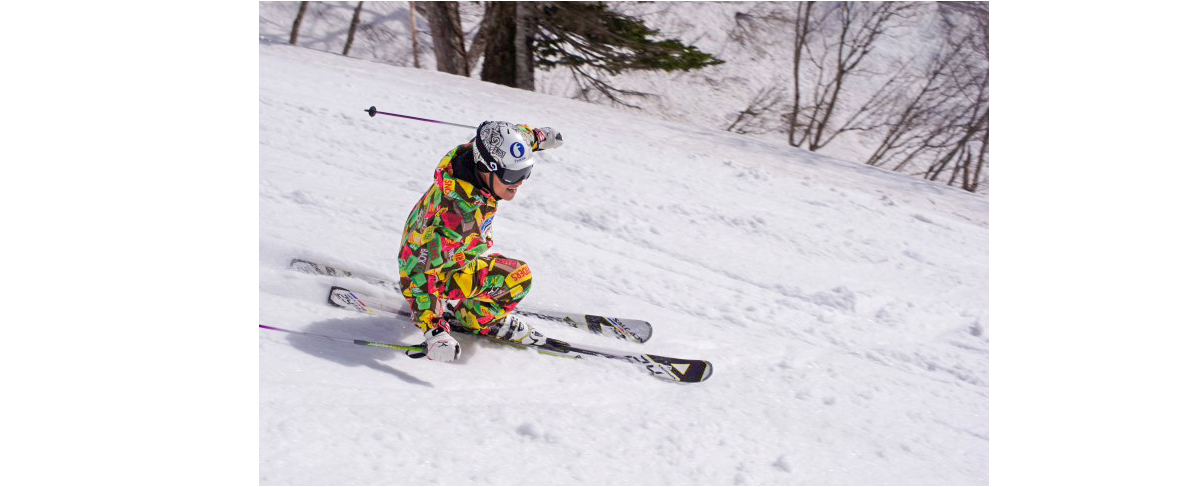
547	138
439	345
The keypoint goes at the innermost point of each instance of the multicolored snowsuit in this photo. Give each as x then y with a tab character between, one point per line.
442	258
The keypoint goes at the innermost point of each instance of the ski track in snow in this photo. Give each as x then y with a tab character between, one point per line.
845	308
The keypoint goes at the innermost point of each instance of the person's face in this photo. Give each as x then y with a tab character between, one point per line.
504	190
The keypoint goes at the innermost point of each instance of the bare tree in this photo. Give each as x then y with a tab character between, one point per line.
353	27
296	23
914	106
752	119
962	135
762	113
799	45
760	17
446	29
977	13
971	131
928	115
857	26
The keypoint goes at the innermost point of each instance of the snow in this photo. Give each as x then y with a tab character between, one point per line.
136	195
845	308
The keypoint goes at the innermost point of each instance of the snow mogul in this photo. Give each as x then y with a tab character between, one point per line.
443	269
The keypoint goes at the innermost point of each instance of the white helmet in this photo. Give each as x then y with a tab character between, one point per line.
501	148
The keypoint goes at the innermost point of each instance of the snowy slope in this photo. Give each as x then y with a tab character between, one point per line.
845	308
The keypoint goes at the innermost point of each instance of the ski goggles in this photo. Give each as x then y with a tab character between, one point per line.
514	176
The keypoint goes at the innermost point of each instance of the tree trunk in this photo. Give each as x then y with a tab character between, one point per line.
353	27
446	29
412	30
523	46
801	37
973	186
499	58
477	44
296	23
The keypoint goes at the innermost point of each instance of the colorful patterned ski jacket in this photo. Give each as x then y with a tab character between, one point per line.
446	231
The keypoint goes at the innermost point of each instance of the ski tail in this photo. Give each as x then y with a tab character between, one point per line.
310	267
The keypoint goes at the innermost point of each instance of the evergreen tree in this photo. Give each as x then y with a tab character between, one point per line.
586	37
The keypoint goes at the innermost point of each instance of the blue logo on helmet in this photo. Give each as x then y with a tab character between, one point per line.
516	149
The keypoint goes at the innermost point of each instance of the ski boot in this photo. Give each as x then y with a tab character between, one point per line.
512	329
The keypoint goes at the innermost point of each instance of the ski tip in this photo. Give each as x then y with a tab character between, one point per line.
305	266
637	331
344	298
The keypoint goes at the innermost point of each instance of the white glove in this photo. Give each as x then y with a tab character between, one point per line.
440	346
548	138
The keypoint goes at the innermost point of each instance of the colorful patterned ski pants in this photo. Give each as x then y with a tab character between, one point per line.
487	289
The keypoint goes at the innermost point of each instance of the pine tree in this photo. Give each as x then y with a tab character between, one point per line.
586	37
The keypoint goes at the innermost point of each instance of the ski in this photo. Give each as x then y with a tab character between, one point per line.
667	368
310	267
620	328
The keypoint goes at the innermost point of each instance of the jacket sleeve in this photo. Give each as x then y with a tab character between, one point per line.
541	138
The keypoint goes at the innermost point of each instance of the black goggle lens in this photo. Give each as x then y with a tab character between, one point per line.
514	176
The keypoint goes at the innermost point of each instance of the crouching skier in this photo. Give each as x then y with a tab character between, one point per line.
443	268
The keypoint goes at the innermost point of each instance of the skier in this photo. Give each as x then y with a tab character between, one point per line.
442	266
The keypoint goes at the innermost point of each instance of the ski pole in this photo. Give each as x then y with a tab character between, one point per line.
372	111
367	343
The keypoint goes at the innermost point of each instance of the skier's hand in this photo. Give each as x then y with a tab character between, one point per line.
548	138
439	345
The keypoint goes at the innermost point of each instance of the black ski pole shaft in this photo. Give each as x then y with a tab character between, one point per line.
372	111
